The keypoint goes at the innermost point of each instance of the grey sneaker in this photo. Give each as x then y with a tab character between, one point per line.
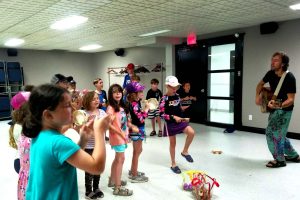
139	179
139	173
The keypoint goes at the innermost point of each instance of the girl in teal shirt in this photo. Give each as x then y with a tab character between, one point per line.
54	157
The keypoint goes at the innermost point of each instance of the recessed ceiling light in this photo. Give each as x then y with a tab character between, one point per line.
90	47
14	42
295	6
69	22
154	33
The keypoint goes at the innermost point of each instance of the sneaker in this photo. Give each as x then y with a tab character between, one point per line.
139	173
152	133
122	191
139	179
90	195
111	184
99	193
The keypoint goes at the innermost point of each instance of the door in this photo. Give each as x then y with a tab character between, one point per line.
220	95
218	86
191	66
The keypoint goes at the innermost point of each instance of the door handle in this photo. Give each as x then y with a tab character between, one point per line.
202	90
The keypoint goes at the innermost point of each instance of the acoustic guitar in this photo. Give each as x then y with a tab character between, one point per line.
266	96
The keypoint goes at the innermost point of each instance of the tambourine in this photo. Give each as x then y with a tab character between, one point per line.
153	103
80	117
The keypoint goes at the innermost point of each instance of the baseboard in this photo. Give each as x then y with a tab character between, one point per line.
292	135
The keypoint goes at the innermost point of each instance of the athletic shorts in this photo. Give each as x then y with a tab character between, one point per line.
119	148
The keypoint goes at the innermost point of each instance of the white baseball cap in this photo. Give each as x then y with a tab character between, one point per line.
172	81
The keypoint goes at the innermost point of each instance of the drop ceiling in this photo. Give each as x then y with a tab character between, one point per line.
117	23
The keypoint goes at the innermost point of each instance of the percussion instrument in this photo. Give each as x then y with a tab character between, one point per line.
153	103
80	117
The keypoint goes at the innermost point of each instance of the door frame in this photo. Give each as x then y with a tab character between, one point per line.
238	40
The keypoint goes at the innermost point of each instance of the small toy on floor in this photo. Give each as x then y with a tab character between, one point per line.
199	183
216	151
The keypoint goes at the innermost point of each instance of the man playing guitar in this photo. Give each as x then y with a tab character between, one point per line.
281	111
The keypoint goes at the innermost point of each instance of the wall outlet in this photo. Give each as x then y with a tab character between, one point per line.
250	117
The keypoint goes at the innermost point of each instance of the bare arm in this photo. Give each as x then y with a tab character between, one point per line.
117	130
94	163
290	100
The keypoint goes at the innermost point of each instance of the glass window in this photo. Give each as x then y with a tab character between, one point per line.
221	57
221	111
221	84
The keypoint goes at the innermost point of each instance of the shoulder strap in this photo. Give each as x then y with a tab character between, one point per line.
280	83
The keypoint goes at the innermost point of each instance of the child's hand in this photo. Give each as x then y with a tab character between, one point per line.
134	129
103	123
177	119
86	130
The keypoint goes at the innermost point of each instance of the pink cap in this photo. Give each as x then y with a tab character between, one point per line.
18	100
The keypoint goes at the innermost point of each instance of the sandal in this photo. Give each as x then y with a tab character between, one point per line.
276	164
122	191
153	133
159	133
111	184
139	174
296	159
98	193
188	157
176	170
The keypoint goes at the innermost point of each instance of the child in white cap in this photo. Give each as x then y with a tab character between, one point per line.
171	110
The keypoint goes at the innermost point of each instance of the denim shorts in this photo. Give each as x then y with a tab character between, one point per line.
119	148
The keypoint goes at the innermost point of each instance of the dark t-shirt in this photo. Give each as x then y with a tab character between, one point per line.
154	94
182	95
172	105
288	85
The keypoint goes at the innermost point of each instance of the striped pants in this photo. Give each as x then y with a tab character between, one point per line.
278	144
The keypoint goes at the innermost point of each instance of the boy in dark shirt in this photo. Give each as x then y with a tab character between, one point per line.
187	99
154	92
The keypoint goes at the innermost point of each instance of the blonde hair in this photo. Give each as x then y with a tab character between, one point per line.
12	141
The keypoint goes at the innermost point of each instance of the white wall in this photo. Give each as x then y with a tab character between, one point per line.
40	66
138	56
258	50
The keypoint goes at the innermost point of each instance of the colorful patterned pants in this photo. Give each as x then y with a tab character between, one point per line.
279	145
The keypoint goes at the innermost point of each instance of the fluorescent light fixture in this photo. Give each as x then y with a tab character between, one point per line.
154	33
295	6
69	22
13	42
90	47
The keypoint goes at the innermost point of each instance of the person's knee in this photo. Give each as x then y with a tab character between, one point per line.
191	132
120	159
140	150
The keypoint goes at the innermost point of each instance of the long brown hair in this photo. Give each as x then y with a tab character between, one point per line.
18	117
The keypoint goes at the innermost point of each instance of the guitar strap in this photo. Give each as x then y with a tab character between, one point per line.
279	85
